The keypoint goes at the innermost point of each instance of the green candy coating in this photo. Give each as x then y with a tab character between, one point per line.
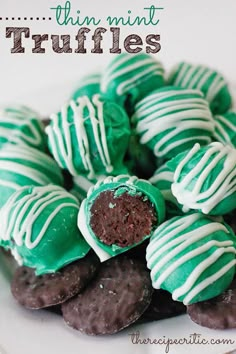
81	186
21	125
225	128
163	179
89	137
129	78
205	179
39	226
210	82
89	85
139	159
21	165
192	257
120	184
171	119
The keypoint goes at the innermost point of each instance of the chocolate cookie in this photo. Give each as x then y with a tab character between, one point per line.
117	297
216	313
35	292
162	306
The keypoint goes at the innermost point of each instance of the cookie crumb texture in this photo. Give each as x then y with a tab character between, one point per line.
116	298
35	292
122	220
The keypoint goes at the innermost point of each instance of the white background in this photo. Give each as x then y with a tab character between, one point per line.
201	31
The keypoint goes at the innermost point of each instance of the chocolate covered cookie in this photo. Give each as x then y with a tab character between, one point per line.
216	313
35	292
116	298
163	306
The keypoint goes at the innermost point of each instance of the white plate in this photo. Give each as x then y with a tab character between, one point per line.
41	332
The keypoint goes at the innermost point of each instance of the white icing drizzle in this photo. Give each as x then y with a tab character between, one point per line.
129	180
174	116
162	175
189	76
16	256
102	146
223	185
8	184
162	179
28	172
181	73
223	128
41	168
172	238
82	225
21	214
14	119
143	69
188	256
177	225
82	183
187	286
180	243
208	281
61	144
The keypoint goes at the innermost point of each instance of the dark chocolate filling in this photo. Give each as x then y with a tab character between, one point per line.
122	220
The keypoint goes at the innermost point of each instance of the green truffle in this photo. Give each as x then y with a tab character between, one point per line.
225	128
129	78
21	125
89	137
39	226
205	179
119	185
163	179
89	85
192	257
21	165
210	82
171	119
